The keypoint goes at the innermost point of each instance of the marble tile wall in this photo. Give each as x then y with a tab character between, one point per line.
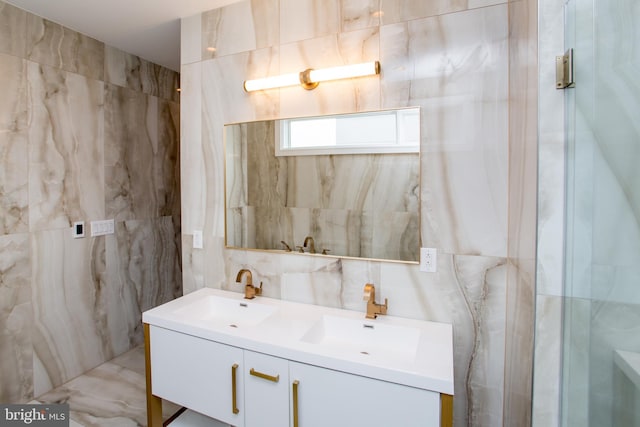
452	59
78	121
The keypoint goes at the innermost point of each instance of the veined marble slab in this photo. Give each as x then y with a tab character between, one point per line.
16	319
14	157
65	145
13	30
52	44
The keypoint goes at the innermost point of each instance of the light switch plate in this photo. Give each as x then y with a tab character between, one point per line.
428	260
101	228
197	239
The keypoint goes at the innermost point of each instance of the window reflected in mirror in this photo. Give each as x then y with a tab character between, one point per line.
341	202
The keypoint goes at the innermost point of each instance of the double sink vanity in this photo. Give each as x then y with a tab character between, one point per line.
268	362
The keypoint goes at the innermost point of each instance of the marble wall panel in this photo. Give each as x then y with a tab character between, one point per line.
13	30
131	170
130	71
308	19
191	39
240	27
223	93
393	11
52	44
70	319
14	192
65	145
522	199
193	184
16	319
144	271
359	14
464	174
334	97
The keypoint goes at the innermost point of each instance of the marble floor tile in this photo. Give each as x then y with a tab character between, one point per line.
113	394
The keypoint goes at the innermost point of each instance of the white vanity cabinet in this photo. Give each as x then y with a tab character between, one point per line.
266	392
323	397
199	374
273	363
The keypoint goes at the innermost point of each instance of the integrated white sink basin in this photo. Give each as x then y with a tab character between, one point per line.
366	337
404	351
230	312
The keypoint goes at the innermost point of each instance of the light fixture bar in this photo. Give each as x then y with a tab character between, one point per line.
283	80
310	78
345	72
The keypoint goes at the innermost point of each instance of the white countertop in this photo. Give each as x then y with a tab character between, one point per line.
281	334
629	363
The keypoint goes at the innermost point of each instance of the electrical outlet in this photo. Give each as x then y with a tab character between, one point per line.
429	260
197	239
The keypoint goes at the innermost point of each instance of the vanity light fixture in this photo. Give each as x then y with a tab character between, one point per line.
310	78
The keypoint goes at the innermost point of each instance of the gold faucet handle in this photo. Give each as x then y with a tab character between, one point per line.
369	292
259	290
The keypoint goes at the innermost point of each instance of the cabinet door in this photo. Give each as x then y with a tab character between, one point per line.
332	398
266	390
198	374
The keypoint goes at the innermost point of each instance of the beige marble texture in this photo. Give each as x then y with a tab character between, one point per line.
463	92
112	394
394	11
13	30
14	155
130	71
65	145
141	148
68	305
308	19
144	272
522	205
16	318
240	27
52	44
359	14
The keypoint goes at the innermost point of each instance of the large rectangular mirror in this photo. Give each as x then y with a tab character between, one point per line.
346	185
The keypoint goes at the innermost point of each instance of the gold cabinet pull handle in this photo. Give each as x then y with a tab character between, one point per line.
234	387
264	376
295	403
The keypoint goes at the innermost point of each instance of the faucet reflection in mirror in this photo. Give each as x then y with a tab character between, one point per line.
353	205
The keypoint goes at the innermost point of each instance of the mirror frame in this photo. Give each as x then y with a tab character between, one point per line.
294	252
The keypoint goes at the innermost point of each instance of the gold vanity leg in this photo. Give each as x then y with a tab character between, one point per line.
154	403
446	410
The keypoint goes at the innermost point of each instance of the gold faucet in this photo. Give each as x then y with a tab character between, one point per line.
312	246
373	309
250	291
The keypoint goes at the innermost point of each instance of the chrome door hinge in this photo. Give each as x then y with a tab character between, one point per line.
564	70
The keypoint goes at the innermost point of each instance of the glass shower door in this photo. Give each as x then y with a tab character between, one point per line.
601	349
